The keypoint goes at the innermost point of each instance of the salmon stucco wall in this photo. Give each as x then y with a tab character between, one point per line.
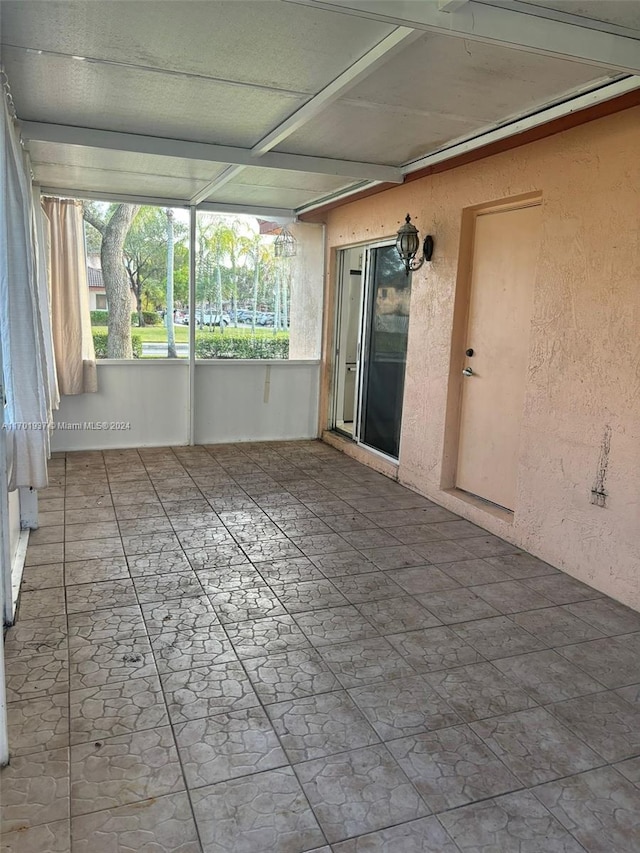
581	417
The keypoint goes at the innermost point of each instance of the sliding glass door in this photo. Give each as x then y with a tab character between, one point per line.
381	354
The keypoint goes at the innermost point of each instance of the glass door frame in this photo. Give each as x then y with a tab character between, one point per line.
363	338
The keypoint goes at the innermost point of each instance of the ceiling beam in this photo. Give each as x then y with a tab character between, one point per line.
210	187
363	67
476	21
158	145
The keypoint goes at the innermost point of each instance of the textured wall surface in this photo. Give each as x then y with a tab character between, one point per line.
582	397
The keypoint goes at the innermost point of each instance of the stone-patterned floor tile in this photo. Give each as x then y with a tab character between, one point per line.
555	626
48	535
315	726
452	767
97	530
94	571
413	533
416	515
289	571
147	509
271	549
95	596
251	515
89	515
421	580
150	588
34	789
365	662
150	543
110	623
609	660
487	546
229	577
41	603
630	769
289	512
165	823
457	605
203	692
38	724
290	675
37	675
321	543
473	572
323	509
36	636
432	649
418	836
607	616
511	596
368	792
346	522
116	708
372	586
266	636
372	537
42	577
241	605
404	706
562	588
397	615
347	562
335	625
606	721
226	746
179	614
145	526
158	564
94	664
520	565
205	537
93	549
216	557
302	596
456	530
263	813
479	691
394	557
255	531
547	677
195	520
600	808
40	555
513	822
535	746
497	637
53	837
191	647
442	551
124	769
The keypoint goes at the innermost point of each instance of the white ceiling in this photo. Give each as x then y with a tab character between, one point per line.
352	84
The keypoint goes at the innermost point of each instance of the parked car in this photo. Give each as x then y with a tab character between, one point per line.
208	319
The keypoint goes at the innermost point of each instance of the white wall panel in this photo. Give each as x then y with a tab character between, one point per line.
256	400
234	401
152	396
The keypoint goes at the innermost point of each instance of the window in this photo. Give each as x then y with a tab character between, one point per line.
101	302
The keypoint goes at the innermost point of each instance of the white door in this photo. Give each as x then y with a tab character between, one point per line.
497	345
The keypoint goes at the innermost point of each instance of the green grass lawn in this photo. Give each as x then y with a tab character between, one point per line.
158	334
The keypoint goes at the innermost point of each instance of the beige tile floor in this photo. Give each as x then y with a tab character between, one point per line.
269	648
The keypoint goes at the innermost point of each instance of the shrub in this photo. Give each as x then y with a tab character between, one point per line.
100	345
230	345
99	318
150	318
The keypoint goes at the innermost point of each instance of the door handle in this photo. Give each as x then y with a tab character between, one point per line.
468	371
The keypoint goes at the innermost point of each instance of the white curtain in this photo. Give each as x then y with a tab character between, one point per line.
22	321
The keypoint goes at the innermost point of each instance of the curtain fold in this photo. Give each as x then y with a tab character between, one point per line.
71	319
27	416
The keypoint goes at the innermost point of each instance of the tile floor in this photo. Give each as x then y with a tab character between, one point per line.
270	648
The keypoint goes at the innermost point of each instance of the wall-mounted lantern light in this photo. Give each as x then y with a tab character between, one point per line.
285	245
408	243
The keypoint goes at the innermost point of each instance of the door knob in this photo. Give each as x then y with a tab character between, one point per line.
468	371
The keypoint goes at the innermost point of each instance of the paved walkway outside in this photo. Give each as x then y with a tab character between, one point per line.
272	649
